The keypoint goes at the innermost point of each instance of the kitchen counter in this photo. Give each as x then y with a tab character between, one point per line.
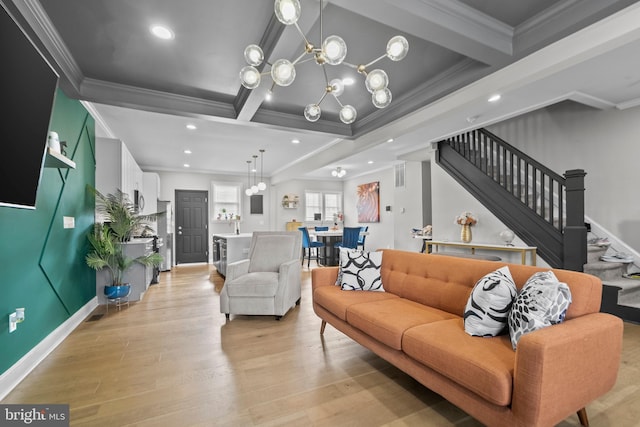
228	248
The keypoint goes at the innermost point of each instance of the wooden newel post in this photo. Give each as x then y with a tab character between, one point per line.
575	232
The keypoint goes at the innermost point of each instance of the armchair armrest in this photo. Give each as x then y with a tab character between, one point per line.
323	276
237	269
560	369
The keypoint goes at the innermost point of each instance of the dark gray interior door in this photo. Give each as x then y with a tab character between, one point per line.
192	237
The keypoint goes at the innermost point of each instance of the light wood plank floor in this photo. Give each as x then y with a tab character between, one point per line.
173	360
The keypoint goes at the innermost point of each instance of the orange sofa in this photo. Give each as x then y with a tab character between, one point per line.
417	325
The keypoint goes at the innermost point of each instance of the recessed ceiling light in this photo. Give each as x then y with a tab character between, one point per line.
187	165
187	151
348	81
161	32
268	96
390	140
191	126
295	141
370	162
494	98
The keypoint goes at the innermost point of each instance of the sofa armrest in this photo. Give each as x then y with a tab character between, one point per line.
560	369
237	269
323	276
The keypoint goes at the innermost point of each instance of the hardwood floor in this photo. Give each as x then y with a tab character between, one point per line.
173	360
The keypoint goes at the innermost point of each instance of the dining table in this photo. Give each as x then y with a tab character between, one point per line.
329	254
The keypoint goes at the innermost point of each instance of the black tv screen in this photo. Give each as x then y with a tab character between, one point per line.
27	91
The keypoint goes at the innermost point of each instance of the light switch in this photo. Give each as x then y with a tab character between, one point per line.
69	222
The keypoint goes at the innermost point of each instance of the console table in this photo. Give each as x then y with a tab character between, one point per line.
523	250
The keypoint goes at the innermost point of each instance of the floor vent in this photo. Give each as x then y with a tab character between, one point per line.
95	317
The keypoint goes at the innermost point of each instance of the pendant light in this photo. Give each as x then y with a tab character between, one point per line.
248	191
254	187
262	185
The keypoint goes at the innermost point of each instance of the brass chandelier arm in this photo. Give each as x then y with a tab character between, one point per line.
375	60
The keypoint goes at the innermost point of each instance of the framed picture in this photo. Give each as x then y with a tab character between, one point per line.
256	204
368	203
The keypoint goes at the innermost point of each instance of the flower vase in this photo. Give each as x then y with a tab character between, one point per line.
465	233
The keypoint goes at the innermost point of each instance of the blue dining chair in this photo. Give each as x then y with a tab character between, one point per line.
323	228
307	245
350	237
362	237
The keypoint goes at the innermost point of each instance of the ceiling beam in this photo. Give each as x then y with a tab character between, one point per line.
447	23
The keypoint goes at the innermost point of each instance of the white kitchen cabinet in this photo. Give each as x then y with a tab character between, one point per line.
151	192
116	169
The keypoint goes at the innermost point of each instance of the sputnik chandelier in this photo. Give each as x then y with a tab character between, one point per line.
333	51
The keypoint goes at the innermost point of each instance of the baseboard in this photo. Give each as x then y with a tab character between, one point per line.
16	373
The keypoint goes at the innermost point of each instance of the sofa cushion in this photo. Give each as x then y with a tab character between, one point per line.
542	302
484	365
489	304
253	284
336	301
387	320
360	271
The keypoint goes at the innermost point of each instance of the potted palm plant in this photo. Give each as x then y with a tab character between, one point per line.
106	239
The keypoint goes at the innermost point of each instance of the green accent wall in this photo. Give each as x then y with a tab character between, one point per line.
42	264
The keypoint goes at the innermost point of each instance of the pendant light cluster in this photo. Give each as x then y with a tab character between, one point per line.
256	187
332	51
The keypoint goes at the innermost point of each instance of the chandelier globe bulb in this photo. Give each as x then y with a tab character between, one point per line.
334	49
253	55
283	72
348	114
250	77
397	48
312	112
287	11
376	80
381	98
337	87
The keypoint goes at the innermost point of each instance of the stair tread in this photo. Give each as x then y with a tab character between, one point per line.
623	283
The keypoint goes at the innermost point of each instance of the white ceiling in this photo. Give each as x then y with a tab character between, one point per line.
144	91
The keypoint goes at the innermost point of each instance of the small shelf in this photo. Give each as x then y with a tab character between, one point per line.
57	160
290	201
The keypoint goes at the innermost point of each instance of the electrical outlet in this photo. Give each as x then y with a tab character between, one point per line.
13	322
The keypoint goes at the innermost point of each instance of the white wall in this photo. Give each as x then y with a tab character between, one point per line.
394	228
603	143
172	181
298	187
449	201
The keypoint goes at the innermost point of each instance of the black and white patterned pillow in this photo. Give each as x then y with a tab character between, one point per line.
361	271
489	304
341	254
543	301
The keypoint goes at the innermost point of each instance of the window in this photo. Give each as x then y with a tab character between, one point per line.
324	203
226	200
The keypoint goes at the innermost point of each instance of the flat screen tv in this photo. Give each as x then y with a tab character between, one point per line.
27	91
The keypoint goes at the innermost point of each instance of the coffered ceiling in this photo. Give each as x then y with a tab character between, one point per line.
145	91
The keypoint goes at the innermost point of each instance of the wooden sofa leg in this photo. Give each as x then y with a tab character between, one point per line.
582	416
322	326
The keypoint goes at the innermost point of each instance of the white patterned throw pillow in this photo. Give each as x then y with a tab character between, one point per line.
489	304
361	271
543	301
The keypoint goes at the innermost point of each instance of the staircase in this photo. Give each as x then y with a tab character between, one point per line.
543	208
621	296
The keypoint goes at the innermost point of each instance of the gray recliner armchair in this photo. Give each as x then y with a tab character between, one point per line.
268	282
